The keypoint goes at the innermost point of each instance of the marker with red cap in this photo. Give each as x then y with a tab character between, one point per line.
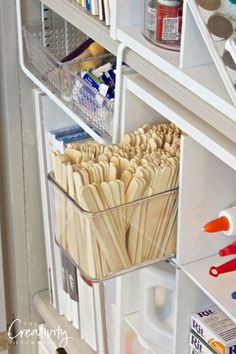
223	268
226	223
228	250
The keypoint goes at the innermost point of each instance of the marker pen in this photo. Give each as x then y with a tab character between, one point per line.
226	223
96	83
61	351
223	268
228	250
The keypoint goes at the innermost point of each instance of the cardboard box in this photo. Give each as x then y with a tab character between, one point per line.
198	346
216	329
193	351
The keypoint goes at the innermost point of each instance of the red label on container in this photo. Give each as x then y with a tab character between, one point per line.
169	23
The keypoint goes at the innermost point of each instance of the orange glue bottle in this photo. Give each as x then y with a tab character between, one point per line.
226	223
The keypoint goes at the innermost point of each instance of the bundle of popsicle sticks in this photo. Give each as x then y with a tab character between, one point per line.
130	219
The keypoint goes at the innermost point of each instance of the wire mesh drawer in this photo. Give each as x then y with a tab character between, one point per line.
111	242
46	49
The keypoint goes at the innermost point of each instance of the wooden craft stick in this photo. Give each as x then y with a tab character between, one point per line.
110	200
79	183
112	246
99	171
83	228
103	157
74	155
167	219
64	207
92	255
163	215
115	188
111	193
171	244
135	191
151	215
112	172
116	198
90	171
124	164
143	220
105	168
122	210
57	195
85	176
88	202
155	211
72	238
170	237
126	178
172	205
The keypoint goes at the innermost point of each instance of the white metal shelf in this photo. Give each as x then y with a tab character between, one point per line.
53	320
217	289
168	63
199	89
133	321
80	18
83	123
207	136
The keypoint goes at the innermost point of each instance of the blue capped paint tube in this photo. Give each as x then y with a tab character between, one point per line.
98	72
109	78
98	85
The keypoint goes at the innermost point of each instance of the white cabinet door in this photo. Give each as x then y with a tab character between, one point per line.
3	322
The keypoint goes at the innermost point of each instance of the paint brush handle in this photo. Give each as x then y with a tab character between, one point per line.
233	295
228	250
79	50
223	268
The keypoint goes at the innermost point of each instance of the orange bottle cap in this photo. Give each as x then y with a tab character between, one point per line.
220	224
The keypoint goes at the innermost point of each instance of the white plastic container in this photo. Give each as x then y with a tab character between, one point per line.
157	304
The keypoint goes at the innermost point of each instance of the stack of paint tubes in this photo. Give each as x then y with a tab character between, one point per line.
116	205
88	79
212	332
95	66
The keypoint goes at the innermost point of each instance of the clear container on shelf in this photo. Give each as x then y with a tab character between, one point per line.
162	22
46	51
107	243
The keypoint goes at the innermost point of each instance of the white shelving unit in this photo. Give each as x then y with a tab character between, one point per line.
165	88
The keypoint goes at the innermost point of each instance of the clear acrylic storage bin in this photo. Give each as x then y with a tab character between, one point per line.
104	244
46	50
